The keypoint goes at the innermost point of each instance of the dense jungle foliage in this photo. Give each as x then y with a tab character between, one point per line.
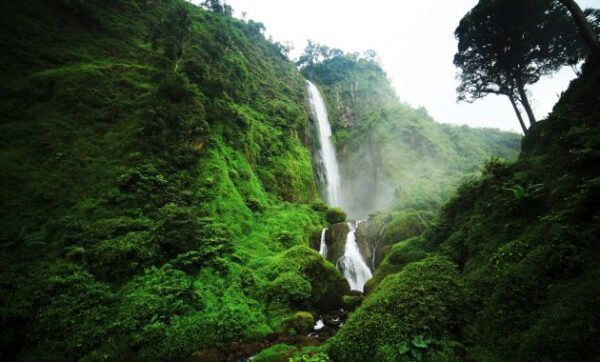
159	193
157	186
509	271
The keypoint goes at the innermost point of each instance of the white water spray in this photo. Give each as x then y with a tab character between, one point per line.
352	264
332	173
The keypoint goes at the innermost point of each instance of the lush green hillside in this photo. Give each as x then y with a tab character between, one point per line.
156	182
509	271
392	154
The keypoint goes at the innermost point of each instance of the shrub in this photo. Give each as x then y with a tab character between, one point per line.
177	230
290	289
117	258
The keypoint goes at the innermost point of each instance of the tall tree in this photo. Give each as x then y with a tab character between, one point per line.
505	45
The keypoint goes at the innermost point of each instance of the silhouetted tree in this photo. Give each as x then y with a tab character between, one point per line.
504	45
585	28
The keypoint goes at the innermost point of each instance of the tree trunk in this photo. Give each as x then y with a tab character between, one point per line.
525	102
521	121
586	30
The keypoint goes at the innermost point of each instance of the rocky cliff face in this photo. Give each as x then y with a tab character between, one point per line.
369	236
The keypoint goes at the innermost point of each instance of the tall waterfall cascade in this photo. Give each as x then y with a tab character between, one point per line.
327	151
351	264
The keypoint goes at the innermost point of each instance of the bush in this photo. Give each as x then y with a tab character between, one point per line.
178	230
425	299
290	289
123	256
335	215
71	315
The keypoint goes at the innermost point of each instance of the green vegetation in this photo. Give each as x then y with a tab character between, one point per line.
157	183
159	195
425	299
513	257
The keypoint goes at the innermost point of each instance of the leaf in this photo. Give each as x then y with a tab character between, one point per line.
404	348
419	342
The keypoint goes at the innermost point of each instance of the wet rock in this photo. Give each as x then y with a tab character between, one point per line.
315	239
368	238
209	355
335	238
332	321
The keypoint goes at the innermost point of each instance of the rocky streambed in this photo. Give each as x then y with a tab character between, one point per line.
326	327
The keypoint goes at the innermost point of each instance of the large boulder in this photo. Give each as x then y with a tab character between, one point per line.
335	239
310	281
376	236
368	239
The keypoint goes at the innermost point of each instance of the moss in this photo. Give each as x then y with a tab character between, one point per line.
302	322
425	299
321	283
276	353
335	215
401	254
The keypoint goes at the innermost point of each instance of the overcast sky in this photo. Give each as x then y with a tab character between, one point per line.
415	42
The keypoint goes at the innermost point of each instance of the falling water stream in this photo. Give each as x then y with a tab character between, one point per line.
351	264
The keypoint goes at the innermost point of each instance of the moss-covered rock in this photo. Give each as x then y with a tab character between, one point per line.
335	239
302	322
276	353
401	254
317	282
335	215
425	300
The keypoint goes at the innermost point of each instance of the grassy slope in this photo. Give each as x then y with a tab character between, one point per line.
523	238
143	210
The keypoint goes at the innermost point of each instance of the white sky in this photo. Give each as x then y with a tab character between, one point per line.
415	42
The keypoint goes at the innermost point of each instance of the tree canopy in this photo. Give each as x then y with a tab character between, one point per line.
505	45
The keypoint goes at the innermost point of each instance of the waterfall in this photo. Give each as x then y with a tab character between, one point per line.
323	246
330	164
352	264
